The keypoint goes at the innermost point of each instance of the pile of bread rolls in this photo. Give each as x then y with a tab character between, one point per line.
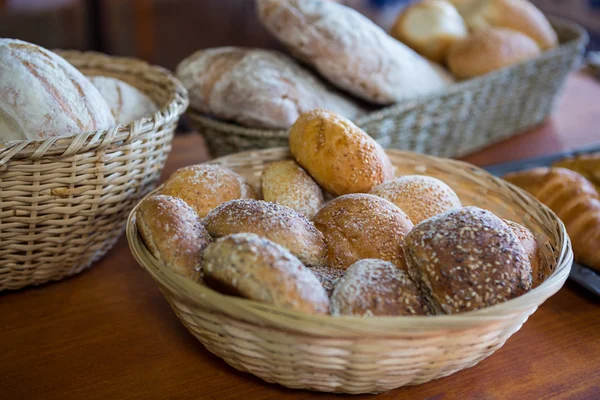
43	96
337	233
474	37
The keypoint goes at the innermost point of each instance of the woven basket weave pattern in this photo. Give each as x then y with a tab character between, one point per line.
468	116
64	201
363	355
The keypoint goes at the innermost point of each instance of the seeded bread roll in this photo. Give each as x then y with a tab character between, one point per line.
340	156
275	222
126	102
43	96
205	186
419	196
286	183
359	226
533	251
351	51
255	268
257	88
173	234
466	259
328	276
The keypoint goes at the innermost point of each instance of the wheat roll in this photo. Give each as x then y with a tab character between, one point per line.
126	102
533	251
328	276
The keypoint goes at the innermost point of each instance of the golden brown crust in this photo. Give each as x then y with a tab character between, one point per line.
255	268
419	196
328	276
374	287
527	180
466	259
532	248
173	233
340	156
286	183
275	222
359	226
488	50
205	186
587	165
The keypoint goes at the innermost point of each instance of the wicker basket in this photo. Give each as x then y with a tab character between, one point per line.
468	116
360	355
64	201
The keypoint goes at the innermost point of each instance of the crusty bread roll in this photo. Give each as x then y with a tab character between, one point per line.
205	186
351	51
286	183
587	165
328	276
358	226
173	233
374	287
575	201
43	96
273	221
430	27
126	102
466	259
255	268
257	88
419	196
518	15
340	156
533	251
488	50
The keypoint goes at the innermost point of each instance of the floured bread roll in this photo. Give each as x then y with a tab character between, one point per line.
126	102
43	96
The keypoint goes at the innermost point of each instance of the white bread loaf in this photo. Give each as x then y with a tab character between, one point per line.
42	95
126	102
351	51
256	88
430	27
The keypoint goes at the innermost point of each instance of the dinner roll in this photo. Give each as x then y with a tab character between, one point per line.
340	156
430	27
286	183
374	287
532	249
126	102
328	276
488	50
205	186
419	196
273	221
173	233
358	226
255	268
466	259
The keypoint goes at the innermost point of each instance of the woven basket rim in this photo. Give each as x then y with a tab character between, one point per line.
95	140
580	39
196	294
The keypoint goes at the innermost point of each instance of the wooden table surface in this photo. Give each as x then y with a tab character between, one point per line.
109	334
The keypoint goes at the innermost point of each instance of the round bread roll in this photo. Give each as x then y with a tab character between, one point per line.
375	287
126	102
532	249
488	50
430	27
419	196
518	15
255	268
328	276
340	156
286	183
359	226
205	186
275	222
466	259
43	96
173	234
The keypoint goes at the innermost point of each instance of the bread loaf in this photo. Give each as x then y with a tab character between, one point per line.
256	88
532	249
126	102
351	51
43	96
587	165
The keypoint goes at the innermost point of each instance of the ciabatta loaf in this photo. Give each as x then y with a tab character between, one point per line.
126	102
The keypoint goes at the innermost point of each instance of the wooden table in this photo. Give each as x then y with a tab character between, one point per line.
109	334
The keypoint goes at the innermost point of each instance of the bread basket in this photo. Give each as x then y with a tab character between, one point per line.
466	117
64	201
364	355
